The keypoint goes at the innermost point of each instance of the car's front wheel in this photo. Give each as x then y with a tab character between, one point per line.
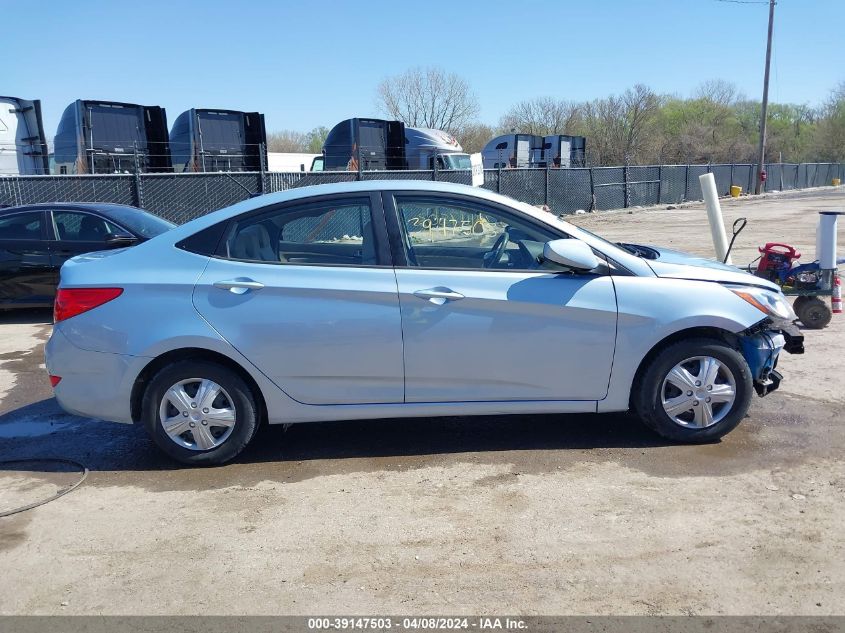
694	391
199	413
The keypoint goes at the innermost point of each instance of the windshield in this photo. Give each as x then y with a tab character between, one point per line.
139	221
457	161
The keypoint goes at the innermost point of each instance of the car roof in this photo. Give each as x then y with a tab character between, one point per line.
176	235
364	186
81	206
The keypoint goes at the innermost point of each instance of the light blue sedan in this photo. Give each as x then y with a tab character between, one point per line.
386	299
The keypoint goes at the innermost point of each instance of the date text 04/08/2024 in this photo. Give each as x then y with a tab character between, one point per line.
417	623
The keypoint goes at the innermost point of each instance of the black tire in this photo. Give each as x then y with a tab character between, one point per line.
243	400
814	313
799	301
647	396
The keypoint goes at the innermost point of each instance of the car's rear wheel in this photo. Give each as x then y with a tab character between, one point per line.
199	412
694	391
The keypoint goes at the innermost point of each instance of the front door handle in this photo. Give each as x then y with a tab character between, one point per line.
239	286
439	295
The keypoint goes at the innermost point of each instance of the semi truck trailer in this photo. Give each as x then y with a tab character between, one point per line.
530	150
378	144
218	140
106	137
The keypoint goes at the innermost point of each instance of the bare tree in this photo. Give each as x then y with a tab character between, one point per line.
541	116
618	126
474	136
287	141
719	91
428	97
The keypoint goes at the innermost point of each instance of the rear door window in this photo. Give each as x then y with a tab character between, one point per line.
333	233
22	226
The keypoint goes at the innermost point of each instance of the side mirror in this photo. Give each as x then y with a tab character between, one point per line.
571	253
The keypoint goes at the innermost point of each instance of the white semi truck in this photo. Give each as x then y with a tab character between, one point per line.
23	146
530	150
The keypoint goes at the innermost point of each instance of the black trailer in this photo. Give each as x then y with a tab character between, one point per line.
366	143
106	137
218	140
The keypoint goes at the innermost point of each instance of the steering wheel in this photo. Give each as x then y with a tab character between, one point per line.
498	250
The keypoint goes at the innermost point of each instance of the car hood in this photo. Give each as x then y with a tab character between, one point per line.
666	262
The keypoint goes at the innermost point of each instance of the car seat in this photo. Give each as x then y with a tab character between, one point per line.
253	243
91	229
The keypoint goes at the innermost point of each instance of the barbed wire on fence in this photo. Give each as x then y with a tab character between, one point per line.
184	196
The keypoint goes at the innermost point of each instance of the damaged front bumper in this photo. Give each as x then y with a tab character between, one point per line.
762	344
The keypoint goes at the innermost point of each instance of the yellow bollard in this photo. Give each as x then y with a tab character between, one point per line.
735	191
836	182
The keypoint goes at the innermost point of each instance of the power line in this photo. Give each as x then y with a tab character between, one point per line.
744	1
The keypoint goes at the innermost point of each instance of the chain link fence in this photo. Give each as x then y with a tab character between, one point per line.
182	197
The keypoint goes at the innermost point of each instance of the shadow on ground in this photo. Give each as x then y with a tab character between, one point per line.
119	454
35	316
43	430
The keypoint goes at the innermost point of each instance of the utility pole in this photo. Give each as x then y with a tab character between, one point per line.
761	153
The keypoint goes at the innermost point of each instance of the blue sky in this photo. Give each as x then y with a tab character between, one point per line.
306	64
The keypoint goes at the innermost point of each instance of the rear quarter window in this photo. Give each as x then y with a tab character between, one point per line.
204	242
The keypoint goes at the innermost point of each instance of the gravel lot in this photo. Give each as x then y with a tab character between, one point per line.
522	514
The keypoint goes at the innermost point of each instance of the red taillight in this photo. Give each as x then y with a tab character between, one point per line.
73	301
55	380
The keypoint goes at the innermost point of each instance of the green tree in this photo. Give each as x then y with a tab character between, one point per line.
317	138
829	133
700	130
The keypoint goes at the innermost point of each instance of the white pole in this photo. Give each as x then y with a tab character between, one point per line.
826	239
714	215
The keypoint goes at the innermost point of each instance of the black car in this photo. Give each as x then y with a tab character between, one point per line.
36	239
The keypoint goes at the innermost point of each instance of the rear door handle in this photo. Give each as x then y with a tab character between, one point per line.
238	286
438	296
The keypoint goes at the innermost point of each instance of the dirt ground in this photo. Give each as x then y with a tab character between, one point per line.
554	515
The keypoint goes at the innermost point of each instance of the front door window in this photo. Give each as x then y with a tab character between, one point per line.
450	234
75	226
